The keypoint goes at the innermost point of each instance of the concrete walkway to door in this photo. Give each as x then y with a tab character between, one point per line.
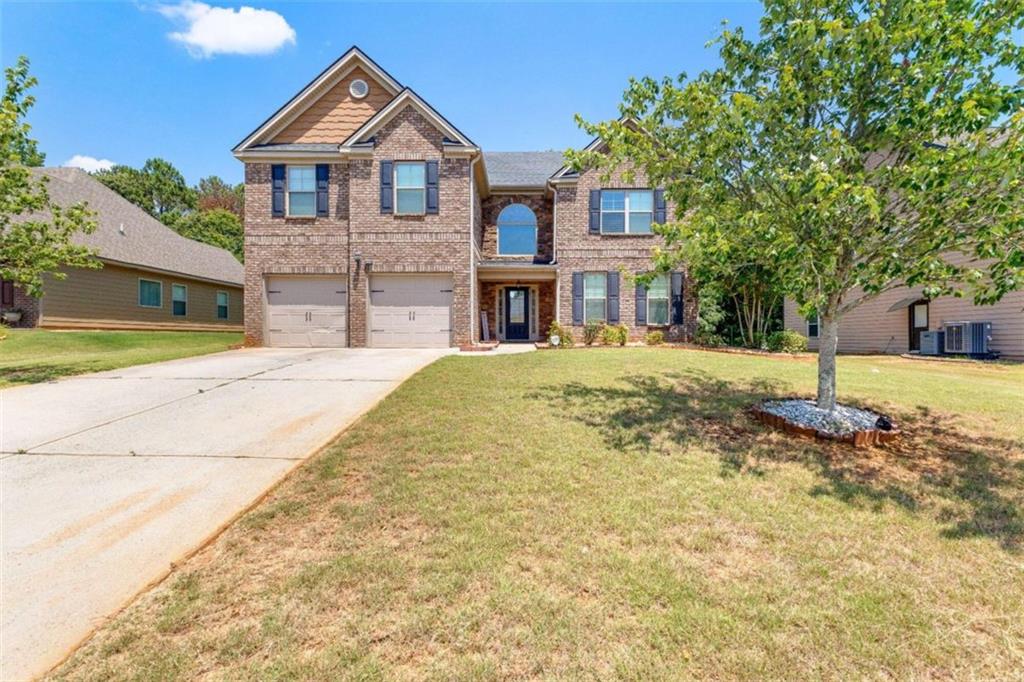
106	479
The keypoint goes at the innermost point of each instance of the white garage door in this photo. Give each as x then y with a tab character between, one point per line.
306	311
410	311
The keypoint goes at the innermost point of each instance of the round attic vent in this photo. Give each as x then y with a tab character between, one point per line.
358	88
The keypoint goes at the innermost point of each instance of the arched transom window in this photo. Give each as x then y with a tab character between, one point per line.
517	231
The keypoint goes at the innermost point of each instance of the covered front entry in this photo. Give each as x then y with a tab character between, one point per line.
307	312
410	311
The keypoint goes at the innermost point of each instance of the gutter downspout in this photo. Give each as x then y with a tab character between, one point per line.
554	253
472	250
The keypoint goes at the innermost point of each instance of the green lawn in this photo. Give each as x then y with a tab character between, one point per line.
616	514
31	356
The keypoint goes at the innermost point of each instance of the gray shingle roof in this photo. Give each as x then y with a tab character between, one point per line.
145	242
521	169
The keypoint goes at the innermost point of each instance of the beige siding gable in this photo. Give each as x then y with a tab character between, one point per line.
335	114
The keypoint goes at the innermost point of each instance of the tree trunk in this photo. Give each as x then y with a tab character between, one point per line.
828	340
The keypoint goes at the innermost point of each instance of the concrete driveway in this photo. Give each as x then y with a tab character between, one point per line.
108	478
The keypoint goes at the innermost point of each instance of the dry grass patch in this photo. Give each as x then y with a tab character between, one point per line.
612	514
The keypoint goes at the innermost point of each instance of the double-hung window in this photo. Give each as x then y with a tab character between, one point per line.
302	191
410	188
151	293
627	211
595	296
222	305
658	300
179	300
812	326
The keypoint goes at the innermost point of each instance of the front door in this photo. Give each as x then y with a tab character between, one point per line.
918	323
517	314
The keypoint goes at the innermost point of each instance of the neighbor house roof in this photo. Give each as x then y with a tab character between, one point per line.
521	169
127	234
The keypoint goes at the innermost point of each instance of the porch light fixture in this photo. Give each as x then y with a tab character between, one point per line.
369	265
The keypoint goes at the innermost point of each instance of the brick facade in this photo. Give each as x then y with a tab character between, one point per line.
578	251
462	234
542	206
30	308
395	244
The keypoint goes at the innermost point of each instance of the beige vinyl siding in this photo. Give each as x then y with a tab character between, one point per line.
109	297
873	328
336	114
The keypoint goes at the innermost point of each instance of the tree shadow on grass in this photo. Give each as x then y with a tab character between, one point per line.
972	483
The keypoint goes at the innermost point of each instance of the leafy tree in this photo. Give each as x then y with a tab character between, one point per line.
217	226
158	188
212	192
35	234
14	136
870	143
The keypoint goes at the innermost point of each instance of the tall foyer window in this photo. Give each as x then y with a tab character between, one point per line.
657	300
302	191
517	231
410	188
595	296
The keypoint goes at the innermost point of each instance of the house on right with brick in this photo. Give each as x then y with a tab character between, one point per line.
897	321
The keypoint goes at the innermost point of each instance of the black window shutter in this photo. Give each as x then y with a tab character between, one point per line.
595	211
6	292
387	195
432	187
323	176
613	297
659	206
677	298
641	304
577	298
277	190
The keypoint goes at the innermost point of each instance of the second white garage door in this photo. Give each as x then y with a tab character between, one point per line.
306	311
410	311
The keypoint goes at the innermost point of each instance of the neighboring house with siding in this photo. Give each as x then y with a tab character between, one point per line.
152	277
893	321
372	220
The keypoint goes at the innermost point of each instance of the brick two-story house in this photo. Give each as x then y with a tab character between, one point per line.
371	220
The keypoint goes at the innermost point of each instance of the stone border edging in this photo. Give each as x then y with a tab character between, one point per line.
858	439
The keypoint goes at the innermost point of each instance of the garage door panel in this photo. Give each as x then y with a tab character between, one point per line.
409	311
306	311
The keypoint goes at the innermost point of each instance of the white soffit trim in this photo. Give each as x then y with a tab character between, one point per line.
407	97
312	92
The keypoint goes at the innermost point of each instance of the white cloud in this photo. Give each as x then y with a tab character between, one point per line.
224	30
88	163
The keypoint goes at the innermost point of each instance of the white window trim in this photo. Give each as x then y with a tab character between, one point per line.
227	305
138	293
817	326
604	318
395	187
668	304
288	191
626	210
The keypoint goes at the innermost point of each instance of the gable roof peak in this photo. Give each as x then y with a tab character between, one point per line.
312	91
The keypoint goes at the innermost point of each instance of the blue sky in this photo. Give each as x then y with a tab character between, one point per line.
115	85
